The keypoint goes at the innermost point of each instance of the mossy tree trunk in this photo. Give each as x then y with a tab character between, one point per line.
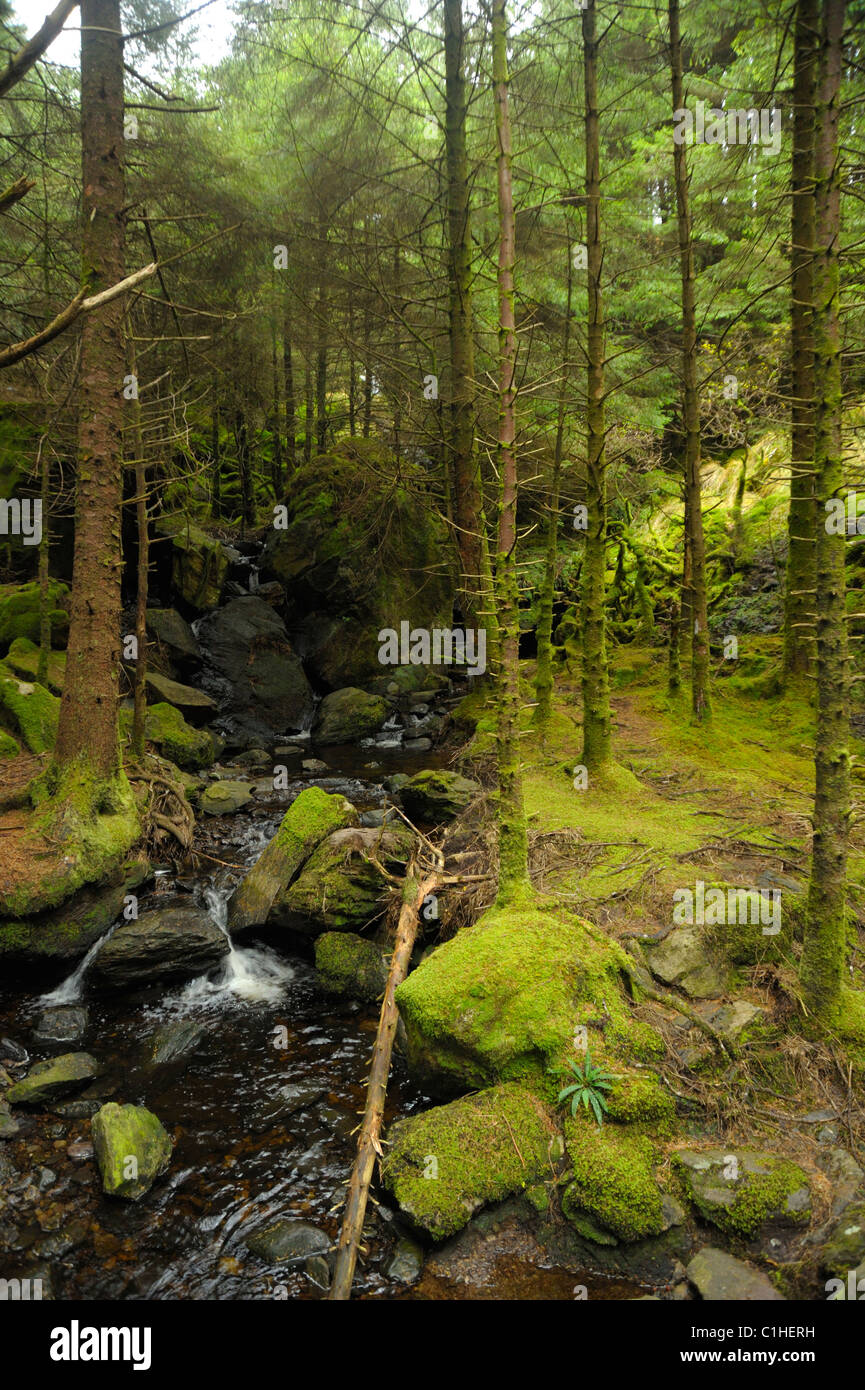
690	400
822	964
290	399
801	518
215	465
513	839
544	671
595	675
139	712
276	473
309	407
465	475
87	731
44	561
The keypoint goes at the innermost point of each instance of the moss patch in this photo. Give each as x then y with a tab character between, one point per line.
31	709
613	1180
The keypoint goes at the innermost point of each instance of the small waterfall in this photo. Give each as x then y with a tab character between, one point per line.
254	973
71	990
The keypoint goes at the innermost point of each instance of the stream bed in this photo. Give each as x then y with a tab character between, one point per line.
240	1161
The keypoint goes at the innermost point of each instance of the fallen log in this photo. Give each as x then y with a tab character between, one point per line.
415	890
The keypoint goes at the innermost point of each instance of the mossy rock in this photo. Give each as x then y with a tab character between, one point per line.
741	1192
844	1248
32	710
199	564
310	818
225	797
503	998
19	613
132	1149
613	1180
641	1099
8	747
444	1165
51	1080
347	715
191	749
67	932
434	795
338	888
23	659
349	964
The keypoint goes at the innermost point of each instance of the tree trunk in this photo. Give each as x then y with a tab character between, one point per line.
215	466
690	401
801	520
822	964
87	729
465	475
513	839
139	711
277	411
595	678
244	467
290	401
321	353
310	410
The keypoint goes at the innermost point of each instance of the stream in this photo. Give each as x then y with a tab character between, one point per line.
240	1162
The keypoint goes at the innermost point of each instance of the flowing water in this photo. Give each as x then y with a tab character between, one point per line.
240	1162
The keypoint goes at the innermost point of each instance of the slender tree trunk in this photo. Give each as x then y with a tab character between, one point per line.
44	562
513	839
215	465
352	372
690	401
544	673
823	956
310	410
290	401
595	679
801	558
277	410
244	468
321	353
465	474
87	730
139	712
397	399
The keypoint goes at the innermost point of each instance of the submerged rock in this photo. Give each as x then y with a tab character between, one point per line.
434	795
445	1164
289	1240
66	1023
169	943
406	1265
348	715
51	1080
132	1149
173	1042
308	820
347	964
718	1277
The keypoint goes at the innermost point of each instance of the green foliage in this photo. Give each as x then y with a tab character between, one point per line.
589	1087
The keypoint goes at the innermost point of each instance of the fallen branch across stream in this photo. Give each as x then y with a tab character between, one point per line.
415	890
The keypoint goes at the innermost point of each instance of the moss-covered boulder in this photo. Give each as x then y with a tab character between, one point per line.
199	564
503	998
613	1180
434	795
8	747
741	1192
67	932
23	658
339	888
359	549
347	715
225	797
351	965
132	1149
844	1247
29	709
444	1165
312	816
19	613
191	749
194	705
51	1080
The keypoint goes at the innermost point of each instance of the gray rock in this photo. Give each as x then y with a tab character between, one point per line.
247	644
407	1262
289	1241
51	1080
194	705
684	959
434	796
348	715
718	1277
731	1020
317	1270
64	1024
292	1098
314	766
173	1042
175	634
417	745
169	943
224	797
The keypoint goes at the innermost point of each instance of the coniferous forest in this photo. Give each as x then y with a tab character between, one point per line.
432	591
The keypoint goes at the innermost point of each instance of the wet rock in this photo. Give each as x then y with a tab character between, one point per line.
407	1262
67	932
47	1178
225	797
173	1042
193	704
132	1149
395	784
51	1080
175	635
76	1109
12	1052
417	745
80	1151
9	1126
254	757
349	965
169	943
684	958
317	1270
741	1192
348	715
247	644
718	1277
66	1023
310	818
314	766
58	1244
844	1173
844	1248
292	1098
434	796
289	1241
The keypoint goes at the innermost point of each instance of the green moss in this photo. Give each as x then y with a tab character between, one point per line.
32	710
638	1099
447	1163
739	1193
613	1179
19	613
347	964
192	749
132	1149
199	562
8	747
23	658
338	888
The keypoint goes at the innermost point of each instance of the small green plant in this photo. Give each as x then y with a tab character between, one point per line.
588	1088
